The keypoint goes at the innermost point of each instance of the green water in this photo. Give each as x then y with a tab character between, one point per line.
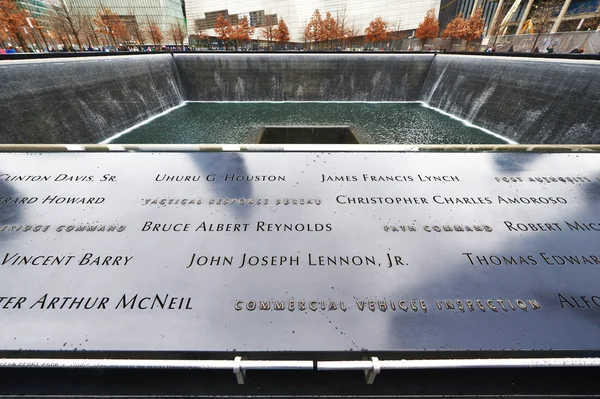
239	123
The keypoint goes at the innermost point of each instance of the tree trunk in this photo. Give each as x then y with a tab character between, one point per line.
21	42
43	38
537	37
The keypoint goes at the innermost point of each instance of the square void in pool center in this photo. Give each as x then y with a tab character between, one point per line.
248	122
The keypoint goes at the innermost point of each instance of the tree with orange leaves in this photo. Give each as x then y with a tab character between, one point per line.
475	26
223	28
242	31
329	28
14	20
282	34
429	28
109	23
455	29
314	29
377	31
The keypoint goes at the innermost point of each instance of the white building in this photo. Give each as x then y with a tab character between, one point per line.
400	14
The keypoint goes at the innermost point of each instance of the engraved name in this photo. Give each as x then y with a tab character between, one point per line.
58	178
214	177
310	259
259	226
443	200
388	178
125	302
542	258
52	200
554	226
88	259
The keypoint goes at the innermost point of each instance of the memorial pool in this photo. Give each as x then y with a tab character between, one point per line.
241	122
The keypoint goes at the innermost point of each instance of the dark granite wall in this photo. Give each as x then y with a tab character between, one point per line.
86	100
302	77
82	100
550	101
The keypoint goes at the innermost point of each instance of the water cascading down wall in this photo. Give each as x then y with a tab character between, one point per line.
88	99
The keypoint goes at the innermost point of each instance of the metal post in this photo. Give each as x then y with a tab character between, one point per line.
525	15
475	5
495	19
560	17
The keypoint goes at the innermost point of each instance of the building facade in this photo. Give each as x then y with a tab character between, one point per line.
165	13
400	14
571	15
37	8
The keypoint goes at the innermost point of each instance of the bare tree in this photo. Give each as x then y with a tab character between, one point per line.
268	30
65	21
154	32
499	23
543	18
135	30
354	31
177	32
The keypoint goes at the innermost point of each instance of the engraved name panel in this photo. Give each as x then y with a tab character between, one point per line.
299	251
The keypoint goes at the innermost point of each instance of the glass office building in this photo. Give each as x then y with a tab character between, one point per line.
166	13
400	14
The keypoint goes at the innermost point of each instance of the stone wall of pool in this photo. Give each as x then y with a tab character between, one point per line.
88	99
